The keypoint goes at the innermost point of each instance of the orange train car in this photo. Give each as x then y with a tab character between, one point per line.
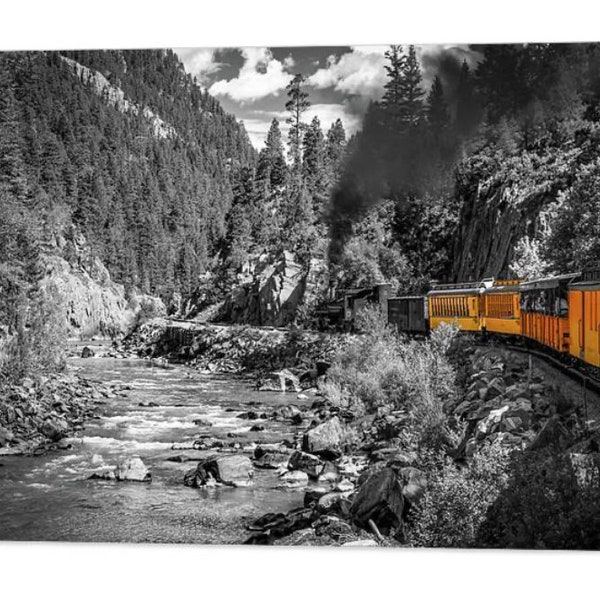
584	317
455	303
501	308
545	311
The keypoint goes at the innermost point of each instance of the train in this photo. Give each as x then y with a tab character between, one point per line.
561	314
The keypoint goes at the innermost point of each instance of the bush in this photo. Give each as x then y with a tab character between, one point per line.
457	499
381	369
547	503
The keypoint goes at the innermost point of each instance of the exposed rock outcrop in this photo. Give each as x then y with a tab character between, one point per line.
94	303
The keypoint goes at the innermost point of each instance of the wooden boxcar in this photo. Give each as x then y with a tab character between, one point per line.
584	317
500	308
408	313
545	311
455	303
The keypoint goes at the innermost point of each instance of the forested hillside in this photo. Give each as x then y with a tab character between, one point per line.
127	147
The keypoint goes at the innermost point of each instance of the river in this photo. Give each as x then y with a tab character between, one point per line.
50	497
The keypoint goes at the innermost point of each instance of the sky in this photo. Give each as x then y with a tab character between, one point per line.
341	80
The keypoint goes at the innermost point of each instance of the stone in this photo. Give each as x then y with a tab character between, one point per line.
202	423
330	473
5	436
235	470
87	352
270	459
55	429
334	502
257	428
309	463
294	479
133	469
326	439
106	474
361	543
312	495
415	484
379	499
345	485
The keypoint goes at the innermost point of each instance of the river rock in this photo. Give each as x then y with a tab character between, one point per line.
309	463
87	352
414	484
133	469
235	470
294	479
5	436
55	429
325	439
361	543
379	499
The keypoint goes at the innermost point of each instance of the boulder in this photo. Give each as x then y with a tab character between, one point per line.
5	436
55	429
379	499
270	459
87	352
133	469
309	463
235	470
326	439
414	484
294	479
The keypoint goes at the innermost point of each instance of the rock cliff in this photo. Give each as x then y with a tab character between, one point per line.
273	289
94	303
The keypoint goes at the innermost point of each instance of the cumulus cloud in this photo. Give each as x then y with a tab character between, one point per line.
360	71
260	76
200	62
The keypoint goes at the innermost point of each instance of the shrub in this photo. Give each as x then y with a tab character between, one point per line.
381	369
547	503
458	498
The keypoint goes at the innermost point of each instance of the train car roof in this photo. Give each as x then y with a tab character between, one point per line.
460	291
502	289
548	282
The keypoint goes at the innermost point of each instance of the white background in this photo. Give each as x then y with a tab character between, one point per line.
44	570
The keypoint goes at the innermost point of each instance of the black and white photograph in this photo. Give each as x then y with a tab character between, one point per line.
311	295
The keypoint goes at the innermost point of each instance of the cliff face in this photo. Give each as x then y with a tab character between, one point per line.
93	302
275	290
504	198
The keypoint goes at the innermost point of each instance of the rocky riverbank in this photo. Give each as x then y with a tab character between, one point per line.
41	412
259	353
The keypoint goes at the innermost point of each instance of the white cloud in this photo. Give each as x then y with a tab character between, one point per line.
199	61
260	76
360	71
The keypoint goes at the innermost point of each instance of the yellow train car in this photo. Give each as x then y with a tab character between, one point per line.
545	311
584	317
455	303
501	308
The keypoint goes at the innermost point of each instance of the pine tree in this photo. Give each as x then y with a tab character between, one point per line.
466	105
336	145
437	109
394	87
271	165
296	105
411	103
